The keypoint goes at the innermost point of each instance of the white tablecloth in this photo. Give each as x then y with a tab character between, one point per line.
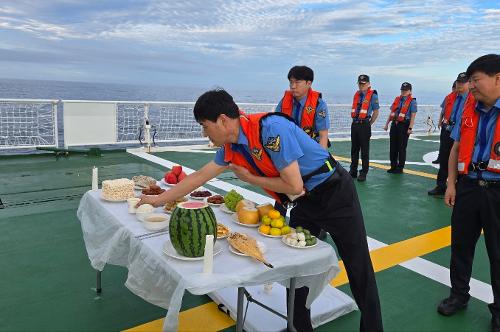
113	236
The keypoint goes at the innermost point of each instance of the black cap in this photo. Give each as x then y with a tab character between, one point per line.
462	78
363	78
405	86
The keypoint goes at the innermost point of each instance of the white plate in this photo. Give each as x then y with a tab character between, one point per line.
224	209
169	250
167	184
224	236
283	239
261	246
197	198
213	204
234	218
267	235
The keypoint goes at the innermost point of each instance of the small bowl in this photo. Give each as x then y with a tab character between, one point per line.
154	221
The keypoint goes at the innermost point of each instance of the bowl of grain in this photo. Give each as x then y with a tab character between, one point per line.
154	221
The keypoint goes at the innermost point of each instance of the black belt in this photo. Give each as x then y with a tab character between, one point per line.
477	167
403	122
360	120
327	166
481	183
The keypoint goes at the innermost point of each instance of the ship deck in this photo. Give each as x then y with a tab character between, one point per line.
49	285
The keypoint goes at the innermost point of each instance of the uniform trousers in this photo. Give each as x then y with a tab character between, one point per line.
360	140
398	142
445	144
334	206
476	207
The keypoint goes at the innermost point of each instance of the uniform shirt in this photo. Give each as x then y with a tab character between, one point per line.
457	110
484	137
321	117
294	144
412	109
374	105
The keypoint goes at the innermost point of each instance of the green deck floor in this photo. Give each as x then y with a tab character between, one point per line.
47	281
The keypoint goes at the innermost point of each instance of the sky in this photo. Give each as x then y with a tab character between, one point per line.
249	44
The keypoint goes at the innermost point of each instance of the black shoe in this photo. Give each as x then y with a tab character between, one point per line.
353	174
495	324
362	177
322	235
398	171
437	191
391	170
435	161
450	306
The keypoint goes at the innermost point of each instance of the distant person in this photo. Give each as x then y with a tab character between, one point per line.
270	151
364	112
475	197
441	114
430	123
452	110
307	109
402	118
306	106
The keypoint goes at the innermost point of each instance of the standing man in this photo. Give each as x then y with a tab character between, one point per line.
441	114
305	106
270	151
452	110
475	198
402	118
364	112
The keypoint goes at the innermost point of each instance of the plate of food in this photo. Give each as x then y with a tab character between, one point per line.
143	181
262	247
167	184
235	219
215	200
225	209
222	231
200	194
245	245
170	206
300	240
169	250
153	190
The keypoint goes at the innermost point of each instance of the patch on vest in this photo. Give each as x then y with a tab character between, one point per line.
497	149
322	114
309	109
257	153
273	143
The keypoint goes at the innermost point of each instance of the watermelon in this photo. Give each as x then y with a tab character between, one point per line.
189	224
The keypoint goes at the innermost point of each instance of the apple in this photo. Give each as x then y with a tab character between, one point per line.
177	170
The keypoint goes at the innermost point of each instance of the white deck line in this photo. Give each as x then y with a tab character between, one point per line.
478	289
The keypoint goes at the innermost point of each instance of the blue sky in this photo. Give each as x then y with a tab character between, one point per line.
247	45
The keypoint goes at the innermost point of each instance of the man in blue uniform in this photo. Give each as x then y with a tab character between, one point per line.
364	112
451	111
402	118
441	114
330	202
475	162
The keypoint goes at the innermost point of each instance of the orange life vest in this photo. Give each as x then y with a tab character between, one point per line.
307	122
404	109
449	101
468	132
365	104
251	126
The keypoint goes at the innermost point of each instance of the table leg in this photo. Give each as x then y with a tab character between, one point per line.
98	288
291	305
239	310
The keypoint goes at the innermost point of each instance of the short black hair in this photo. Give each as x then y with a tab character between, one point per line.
488	64
213	103
301	73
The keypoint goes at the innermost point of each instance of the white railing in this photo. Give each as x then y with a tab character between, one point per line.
28	123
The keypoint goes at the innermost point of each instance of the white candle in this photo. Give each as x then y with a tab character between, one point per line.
95	182
208	258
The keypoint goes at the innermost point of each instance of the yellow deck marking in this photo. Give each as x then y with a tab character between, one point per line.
399	252
206	317
407	171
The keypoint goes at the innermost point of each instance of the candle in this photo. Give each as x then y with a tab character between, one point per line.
95	182
208	258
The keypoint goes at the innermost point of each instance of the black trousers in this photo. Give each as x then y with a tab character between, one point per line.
475	208
399	140
360	140
334	206
445	144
